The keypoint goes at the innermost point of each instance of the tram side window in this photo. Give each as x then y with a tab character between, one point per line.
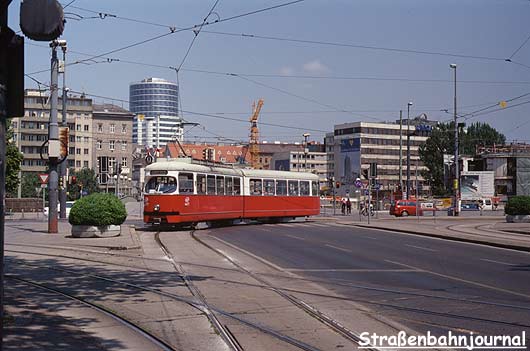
256	187
164	185
293	187
185	183
237	186
281	187
201	184
220	185
268	187
304	188
315	189
229	185
210	181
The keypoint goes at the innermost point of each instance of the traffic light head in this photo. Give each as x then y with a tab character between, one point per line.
364	173
74	179
205	154
64	135
337	184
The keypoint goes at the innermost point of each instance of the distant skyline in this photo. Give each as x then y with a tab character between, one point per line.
315	63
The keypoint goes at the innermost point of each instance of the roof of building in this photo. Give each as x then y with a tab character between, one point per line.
274	148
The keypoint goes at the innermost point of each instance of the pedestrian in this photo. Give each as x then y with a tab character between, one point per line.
343	206
348	206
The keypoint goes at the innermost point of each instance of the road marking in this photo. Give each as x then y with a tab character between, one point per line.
421	248
349	270
462	280
499	262
295	237
337	248
367	237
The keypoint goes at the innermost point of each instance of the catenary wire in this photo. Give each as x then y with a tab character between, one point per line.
519	48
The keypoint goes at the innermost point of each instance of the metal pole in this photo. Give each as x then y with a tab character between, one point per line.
3	140
417	195
408	150
401	150
457	167
64	124
53	139
369	200
333	193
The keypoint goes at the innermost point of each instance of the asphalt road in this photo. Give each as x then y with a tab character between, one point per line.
424	283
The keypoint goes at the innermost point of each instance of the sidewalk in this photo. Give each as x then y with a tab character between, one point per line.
489	229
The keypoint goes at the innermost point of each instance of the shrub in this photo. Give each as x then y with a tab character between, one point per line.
99	209
518	205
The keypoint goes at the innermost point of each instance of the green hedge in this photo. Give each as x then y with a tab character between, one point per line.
98	209
518	205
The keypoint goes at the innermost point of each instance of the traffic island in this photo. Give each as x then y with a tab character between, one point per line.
518	209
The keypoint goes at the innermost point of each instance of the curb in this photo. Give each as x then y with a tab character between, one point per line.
452	238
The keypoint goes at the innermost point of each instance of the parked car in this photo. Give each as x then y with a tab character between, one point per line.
486	204
404	208
69	205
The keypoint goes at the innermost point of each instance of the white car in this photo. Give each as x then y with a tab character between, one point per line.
69	205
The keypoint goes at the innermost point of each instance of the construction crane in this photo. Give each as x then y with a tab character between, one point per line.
254	134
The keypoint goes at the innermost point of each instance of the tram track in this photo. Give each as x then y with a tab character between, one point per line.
101	309
196	303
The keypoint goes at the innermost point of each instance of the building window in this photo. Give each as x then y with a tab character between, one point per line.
100	127
85	164
87	128
85	139
78	164
123	145
78	139
112	128
78	152
85	151
111	145
124	161
78	127
98	144
124	128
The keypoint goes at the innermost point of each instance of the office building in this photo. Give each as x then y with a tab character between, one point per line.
154	101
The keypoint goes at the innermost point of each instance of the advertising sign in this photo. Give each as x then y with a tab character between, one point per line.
350	159
477	185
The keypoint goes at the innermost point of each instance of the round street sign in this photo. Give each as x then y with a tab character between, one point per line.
358	183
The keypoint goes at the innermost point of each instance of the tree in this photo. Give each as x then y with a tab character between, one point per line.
85	181
13	160
442	142
30	181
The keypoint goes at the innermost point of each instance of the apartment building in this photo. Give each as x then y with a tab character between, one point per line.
113	148
31	131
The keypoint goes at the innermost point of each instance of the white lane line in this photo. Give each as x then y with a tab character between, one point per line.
294	237
337	248
367	237
421	248
499	262
462	280
349	270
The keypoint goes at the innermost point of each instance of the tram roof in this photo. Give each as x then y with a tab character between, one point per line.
174	165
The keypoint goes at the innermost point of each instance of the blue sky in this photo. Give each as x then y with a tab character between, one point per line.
488	30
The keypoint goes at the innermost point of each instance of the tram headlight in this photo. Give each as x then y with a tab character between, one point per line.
156	208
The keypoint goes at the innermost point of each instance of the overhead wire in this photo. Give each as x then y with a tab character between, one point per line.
519	48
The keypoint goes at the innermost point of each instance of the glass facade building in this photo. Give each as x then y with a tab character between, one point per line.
154	101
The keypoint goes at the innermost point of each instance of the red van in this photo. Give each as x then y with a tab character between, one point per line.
403	208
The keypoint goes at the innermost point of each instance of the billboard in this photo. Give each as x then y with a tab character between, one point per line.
350	159
477	185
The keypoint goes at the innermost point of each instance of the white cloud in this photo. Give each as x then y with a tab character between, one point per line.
287	71
315	67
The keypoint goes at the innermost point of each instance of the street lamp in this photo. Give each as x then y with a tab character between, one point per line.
456	184
408	150
306	150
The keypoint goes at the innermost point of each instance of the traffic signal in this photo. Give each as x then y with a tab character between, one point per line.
205	154
337	184
364	173
73	180
64	135
373	170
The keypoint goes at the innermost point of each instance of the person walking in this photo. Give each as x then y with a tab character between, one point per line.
348	206
343	206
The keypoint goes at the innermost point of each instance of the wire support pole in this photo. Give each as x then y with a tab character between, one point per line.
53	145
64	123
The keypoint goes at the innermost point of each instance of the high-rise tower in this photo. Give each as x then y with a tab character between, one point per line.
154	101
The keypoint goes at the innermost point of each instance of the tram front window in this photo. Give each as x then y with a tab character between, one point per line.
165	185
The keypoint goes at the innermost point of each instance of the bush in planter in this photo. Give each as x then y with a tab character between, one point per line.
518	205
99	209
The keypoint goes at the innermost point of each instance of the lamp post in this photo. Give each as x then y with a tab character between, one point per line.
456	183
408	149
306	150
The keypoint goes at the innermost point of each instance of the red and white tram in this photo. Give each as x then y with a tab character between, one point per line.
183	192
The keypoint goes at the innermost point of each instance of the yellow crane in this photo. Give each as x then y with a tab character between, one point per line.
254	134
